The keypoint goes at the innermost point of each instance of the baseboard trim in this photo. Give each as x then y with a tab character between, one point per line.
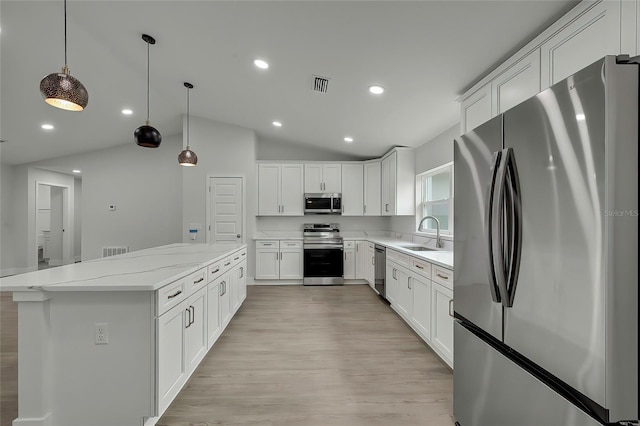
33	421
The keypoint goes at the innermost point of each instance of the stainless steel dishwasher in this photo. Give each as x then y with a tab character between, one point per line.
381	270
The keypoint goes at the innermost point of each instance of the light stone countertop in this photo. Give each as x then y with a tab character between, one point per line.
142	270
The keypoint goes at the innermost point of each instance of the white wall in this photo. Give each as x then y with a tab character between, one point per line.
223	150
432	154
273	150
8	200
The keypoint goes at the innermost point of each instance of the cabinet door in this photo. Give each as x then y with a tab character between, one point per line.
371	265
386	188
196	329
392	283
393	182
269	189
442	321
234	289
352	189
313	178
349	264
361	260
332	178
268	263
292	192
224	300
516	84
404	294
421	312
372	188
291	263
213	313
243	281
585	40
475	109
172	363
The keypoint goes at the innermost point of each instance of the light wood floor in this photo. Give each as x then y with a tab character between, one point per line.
303	356
321	356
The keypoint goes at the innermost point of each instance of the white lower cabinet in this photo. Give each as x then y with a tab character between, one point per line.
214	328
172	357
362	260
420	293
349	260
279	260
370	264
196	342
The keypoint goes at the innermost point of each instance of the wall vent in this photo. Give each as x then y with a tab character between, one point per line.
112	251
320	84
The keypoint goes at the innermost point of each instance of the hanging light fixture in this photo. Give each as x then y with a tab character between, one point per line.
146	135
187	157
61	90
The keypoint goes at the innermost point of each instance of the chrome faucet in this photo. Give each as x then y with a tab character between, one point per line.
438	240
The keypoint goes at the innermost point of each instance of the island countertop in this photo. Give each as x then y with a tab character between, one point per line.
142	270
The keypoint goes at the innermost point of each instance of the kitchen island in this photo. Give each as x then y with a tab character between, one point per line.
112	341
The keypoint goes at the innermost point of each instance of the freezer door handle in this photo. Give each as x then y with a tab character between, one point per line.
513	223
488	223
497	226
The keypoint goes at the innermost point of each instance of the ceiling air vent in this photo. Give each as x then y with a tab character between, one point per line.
320	84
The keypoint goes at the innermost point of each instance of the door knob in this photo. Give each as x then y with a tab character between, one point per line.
238	236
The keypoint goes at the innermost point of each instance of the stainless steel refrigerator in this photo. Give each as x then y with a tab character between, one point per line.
546	246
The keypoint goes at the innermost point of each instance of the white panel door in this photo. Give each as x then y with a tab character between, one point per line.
226	210
292	190
516	84
332	178
269	189
584	41
313	178
267	264
352	189
442	321
421	312
291	263
372	188
196	329
476	109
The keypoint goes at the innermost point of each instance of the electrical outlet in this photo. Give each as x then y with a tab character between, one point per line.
101	333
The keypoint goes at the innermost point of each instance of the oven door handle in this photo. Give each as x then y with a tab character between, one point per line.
323	246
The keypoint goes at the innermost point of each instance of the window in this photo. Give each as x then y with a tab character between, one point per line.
435	198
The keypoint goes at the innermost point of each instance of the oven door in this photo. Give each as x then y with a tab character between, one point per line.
323	264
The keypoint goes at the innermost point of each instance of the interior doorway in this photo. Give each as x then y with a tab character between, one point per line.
53	239
225	215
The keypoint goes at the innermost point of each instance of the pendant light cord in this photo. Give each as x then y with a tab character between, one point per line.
65	33
147	83
188	117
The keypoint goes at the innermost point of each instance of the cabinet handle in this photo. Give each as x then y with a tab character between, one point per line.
242	272
189	317
236	258
217	269
372	261
220	293
291	244
193	315
365	209
227	264
267	244
451	308
386	207
177	293
224	283
244	254
199	280
393	274
444	277
419	267
409	283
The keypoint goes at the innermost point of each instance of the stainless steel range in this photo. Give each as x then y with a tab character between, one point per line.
323	254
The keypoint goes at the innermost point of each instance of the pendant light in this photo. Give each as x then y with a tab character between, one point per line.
61	90
187	157
146	135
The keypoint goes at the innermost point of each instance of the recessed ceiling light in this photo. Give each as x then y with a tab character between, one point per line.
76	171
47	126
127	111
277	124
376	90
348	139
261	64
580	117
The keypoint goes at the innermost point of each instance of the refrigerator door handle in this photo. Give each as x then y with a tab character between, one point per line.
488	230
514	226
497	226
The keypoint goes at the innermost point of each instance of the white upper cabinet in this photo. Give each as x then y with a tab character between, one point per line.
352	189
398	183
518	83
593	35
475	109
323	178
372	187
280	190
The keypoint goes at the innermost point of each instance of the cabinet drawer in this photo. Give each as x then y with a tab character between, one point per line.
421	267
197	280
290	244
267	244
349	244
236	257
402	259
442	275
170	295
214	270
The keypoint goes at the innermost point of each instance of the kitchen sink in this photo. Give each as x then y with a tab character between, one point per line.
418	248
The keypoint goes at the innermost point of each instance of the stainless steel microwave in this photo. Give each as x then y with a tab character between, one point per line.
322	203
